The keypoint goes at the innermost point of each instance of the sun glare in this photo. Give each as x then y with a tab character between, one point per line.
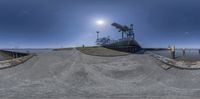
100	22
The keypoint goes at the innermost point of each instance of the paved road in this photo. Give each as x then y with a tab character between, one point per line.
71	74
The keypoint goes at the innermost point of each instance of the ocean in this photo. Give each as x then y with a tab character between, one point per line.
1	58
190	54
29	50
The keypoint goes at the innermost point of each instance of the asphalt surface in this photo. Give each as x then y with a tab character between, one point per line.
73	75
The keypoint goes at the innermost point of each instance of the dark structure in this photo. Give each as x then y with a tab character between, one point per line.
126	43
13	54
125	29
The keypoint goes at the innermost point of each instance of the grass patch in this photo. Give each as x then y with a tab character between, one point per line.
62	49
101	51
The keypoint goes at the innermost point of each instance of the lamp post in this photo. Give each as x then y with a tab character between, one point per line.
99	22
97	37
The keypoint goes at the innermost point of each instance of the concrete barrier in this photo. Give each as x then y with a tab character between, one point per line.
177	64
13	54
14	62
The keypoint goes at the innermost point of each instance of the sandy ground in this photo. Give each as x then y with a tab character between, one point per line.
73	75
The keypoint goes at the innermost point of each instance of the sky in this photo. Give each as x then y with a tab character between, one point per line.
69	23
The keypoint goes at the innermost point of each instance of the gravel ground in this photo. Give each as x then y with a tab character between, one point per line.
73	75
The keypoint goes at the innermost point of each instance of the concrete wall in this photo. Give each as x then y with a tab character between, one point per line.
10	54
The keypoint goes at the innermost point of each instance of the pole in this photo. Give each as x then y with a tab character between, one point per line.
199	51
131	32
97	37
173	52
183	51
122	35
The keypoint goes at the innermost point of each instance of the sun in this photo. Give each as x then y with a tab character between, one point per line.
100	22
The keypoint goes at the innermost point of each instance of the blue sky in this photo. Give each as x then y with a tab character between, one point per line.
65	23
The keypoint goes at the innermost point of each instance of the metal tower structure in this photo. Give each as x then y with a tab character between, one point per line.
129	31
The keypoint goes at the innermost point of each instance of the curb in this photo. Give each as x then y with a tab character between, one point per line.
177	64
14	62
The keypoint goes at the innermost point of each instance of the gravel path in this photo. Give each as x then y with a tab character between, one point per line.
73	75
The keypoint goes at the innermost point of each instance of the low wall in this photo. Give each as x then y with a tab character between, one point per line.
10	54
13	62
130	49
13	58
177	64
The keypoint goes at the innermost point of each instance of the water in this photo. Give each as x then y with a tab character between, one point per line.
29	50
190	54
1	58
24	51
